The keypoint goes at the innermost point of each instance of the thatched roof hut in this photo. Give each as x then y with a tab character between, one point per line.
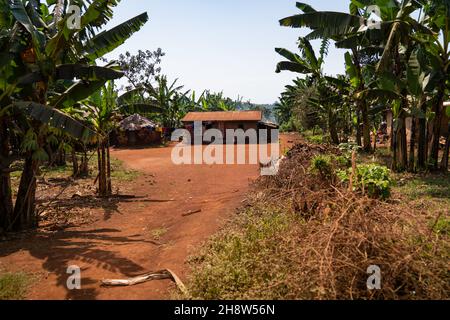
138	130
136	122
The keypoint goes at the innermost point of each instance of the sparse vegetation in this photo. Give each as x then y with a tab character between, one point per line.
13	286
307	241
367	185
158	233
371	178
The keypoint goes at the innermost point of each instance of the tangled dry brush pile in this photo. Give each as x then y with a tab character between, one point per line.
301	237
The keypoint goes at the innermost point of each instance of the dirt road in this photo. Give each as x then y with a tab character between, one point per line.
144	235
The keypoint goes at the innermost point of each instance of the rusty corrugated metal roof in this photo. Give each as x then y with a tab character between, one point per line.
223	116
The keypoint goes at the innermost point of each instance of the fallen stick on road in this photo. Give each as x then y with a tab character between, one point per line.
191	212
159	275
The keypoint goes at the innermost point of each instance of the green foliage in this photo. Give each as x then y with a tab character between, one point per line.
315	137
397	64
239	262
442	226
343	161
323	165
290	126
373	179
13	286
107	41
349	147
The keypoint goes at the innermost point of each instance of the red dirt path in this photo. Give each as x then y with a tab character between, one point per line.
122	243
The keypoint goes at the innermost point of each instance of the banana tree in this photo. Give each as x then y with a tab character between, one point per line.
308	63
445	157
102	113
167	98
40	53
437	46
346	29
212	101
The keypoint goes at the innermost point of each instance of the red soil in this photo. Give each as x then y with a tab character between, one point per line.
122	242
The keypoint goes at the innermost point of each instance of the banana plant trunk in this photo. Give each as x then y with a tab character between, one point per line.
6	203
400	148
401	137
108	168
445	157
412	146
423	140
358	129
362	105
60	158
438	110
366	127
104	170
25	216
403	144
84	166
75	167
332	127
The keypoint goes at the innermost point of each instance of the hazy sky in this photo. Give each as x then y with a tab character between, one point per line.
223	44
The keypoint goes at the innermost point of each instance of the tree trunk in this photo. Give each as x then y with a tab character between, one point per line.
401	137
60	157
394	147
101	188
403	146
358	129
51	155
332	127
400	158
84	167
444	163
103	179
6	203
25	208
375	142
104	173
422	147
75	167
438	106
108	168
412	146
362	105
366	127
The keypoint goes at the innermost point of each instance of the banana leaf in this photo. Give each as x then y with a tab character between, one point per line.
55	118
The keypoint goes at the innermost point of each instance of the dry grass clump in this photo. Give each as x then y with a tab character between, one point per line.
299	237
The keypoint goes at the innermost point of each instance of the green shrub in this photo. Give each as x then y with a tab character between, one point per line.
323	165
344	161
317	139
372	179
349	147
291	126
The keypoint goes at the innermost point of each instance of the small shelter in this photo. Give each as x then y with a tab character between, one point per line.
138	130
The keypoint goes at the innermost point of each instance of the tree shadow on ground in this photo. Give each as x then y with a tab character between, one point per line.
429	185
59	250
110	205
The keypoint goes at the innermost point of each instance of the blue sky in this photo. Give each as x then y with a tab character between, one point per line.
223	44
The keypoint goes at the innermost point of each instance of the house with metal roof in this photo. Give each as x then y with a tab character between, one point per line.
226	120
